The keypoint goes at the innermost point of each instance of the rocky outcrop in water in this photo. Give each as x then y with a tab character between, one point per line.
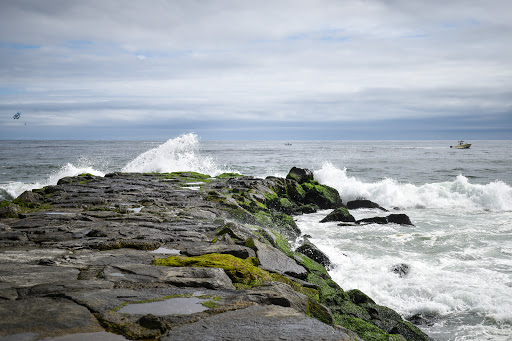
363	203
401	219
176	256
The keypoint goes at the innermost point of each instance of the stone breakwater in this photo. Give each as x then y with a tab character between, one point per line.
177	256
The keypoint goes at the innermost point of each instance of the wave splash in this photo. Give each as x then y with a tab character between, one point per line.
14	189
460	193
178	154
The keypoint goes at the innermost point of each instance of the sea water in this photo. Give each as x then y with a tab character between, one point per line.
458	253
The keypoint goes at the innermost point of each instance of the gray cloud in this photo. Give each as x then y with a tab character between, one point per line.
101	62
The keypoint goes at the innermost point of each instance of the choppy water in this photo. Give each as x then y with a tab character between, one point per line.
459	252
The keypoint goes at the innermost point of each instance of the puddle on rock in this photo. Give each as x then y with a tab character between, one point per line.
177	305
166	251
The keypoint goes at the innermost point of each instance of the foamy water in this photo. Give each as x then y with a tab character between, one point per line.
459	250
458	194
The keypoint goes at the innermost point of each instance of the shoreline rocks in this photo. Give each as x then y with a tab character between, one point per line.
89	247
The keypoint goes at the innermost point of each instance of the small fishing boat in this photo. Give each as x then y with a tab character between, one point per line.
462	145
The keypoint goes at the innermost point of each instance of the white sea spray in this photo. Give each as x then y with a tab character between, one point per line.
459	193
178	154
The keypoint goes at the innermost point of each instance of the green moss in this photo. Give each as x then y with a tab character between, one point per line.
241	271
190	175
263	219
311	265
309	292
320	312
27	207
229	175
331	294
282	244
4	203
365	330
210	304
285	224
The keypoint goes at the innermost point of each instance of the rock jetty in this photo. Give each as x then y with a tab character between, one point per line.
177	256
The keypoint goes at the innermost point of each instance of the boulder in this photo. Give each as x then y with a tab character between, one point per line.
401	219
362	203
309	249
301	175
373	220
9	211
273	260
323	196
339	214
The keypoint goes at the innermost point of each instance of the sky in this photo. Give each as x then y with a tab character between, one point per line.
258	70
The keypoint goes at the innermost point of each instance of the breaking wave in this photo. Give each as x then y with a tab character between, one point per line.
459	193
13	189
178	154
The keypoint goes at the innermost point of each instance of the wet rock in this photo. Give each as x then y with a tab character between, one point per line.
374	220
401	269
258	323
323	196
339	214
312	251
300	175
401	219
272	259
422	319
45	317
9	211
359	297
362	203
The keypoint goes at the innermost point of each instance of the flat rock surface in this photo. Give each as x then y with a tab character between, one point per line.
46	317
258	323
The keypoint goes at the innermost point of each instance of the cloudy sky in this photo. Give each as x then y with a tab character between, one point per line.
318	69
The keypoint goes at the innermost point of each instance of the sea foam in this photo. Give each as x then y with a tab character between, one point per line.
459	193
15	188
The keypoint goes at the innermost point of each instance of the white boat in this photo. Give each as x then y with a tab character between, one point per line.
462	145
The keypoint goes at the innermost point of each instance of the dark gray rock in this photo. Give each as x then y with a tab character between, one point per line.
401	269
401	219
258	323
300	175
362	203
46	317
339	214
272	259
312	251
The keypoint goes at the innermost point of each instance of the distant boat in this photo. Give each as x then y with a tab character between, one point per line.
287	144
462	145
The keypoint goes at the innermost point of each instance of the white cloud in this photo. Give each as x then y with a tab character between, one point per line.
273	60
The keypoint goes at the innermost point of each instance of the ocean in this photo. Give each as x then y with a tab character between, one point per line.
458	253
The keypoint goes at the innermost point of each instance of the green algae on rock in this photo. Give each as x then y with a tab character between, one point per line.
241	271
